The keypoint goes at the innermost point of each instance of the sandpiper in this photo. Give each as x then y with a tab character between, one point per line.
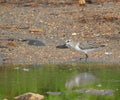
76	45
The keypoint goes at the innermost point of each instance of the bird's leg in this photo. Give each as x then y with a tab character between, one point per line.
86	57
81	58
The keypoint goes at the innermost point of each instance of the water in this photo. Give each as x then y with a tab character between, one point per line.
83	81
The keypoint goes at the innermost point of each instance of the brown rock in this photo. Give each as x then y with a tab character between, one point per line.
29	96
2	1
82	2
13	44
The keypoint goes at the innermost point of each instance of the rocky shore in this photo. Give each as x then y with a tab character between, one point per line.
30	34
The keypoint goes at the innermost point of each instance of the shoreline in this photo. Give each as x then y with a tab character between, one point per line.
31	34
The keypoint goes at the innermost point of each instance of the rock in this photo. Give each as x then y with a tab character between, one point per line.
62	46
35	42
25	69
107	92
13	44
53	93
5	99
2	1
74	34
3	47
29	96
88	1
82	2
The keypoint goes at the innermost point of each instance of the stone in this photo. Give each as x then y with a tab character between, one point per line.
107	92
82	2
35	42
29	96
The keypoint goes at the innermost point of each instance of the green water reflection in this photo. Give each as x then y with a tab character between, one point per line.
51	78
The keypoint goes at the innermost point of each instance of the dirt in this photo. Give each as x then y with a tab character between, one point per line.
29	34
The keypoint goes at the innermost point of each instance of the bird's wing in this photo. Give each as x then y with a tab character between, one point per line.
90	46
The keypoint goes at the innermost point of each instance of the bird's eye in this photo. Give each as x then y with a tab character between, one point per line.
68	41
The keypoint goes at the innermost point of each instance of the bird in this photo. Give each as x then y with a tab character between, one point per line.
76	46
